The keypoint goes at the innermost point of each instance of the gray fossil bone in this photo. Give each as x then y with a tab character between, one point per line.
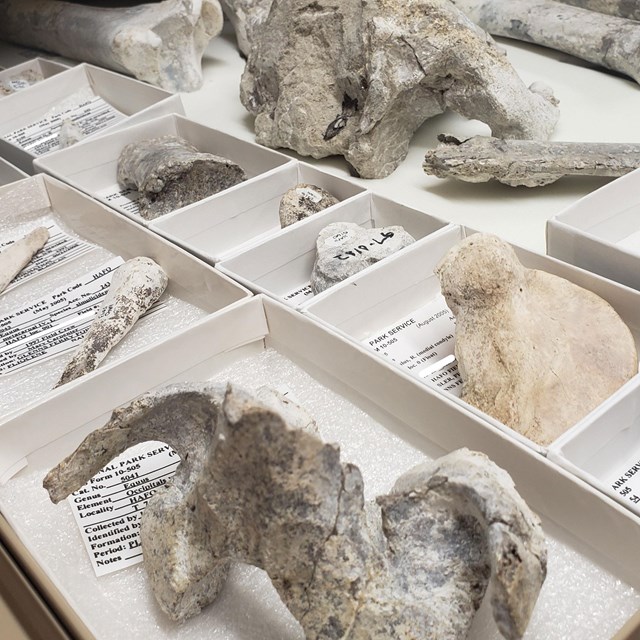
607	41
170	172
622	8
135	286
534	350
247	17
528	162
160	43
345	248
303	201
253	489
359	78
18	255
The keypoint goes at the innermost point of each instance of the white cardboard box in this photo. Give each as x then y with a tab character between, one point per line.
584	522
192	284
601	231
10	173
93	167
136	100
392	292
281	265
242	217
42	66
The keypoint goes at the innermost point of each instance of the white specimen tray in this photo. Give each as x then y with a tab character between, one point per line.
242	217
192	283
138	101
93	167
588	533
390	291
601	232
281	265
46	68
10	173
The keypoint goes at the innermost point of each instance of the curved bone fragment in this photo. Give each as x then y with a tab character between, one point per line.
19	254
527	162
160	43
170	173
622	8
534	350
135	286
253	488
607	41
358	79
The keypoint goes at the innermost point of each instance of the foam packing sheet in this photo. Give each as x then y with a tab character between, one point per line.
579	598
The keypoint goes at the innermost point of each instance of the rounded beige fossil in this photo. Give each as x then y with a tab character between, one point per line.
534	350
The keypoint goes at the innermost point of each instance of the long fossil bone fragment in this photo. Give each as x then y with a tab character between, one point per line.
160	43
527	162
607	41
19	254
623	8
252	488
358	79
170	172
135	286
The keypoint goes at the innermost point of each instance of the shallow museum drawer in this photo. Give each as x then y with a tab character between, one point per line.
367	406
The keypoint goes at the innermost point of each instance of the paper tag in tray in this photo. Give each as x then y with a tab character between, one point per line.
108	508
422	343
124	199
625	481
297	295
59	249
42	136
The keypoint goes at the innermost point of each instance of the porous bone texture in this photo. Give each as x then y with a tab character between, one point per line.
345	248
253	488
135	286
161	43
357	79
534	350
528	163
303	201
170	173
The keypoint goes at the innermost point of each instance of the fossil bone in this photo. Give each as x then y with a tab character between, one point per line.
18	255
528	162
135	286
534	350
70	133
623	8
345	248
607	41
253	489
358	79
246	16
303	201
161	43
170	173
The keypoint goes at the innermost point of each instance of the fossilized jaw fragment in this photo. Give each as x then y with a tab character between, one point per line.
18	255
534	350
135	286
359	80
608	41
254	489
161	43
170	173
527	162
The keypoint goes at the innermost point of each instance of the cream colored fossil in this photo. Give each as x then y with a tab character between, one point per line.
18	255
534	350
253	488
